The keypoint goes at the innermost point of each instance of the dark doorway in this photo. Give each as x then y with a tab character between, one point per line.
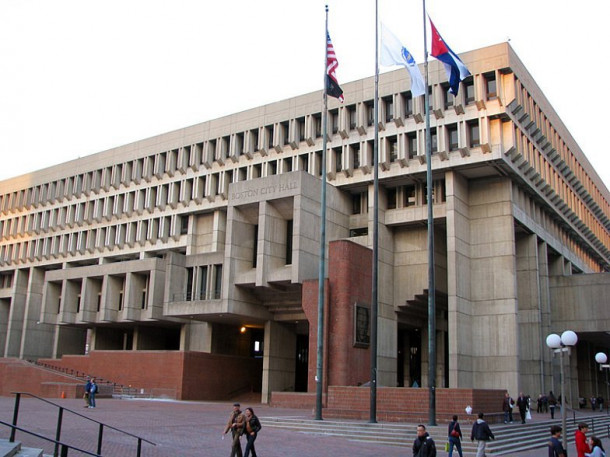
301	364
408	370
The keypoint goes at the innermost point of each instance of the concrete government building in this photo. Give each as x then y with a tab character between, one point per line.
188	262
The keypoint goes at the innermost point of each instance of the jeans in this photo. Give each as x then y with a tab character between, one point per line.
92	399
458	445
250	446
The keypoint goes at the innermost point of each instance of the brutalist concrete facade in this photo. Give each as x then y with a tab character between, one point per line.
177	241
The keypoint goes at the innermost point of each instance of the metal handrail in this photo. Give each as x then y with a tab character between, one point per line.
64	446
59	423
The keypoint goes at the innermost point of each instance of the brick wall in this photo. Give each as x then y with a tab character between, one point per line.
181	375
411	404
18	375
349	281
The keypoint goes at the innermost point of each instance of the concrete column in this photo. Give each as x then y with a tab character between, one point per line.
196	336
5	310
458	281
387	329
545	316
16	315
531	344
279	360
37	338
494	320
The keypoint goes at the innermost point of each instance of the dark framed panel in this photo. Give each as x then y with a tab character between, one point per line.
362	325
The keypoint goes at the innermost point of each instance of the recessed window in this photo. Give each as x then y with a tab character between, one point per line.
370	113
469	90
452	137
301	128
355	152
407	99
474	138
254	244
289	229
284	130
338	159
351	112
389	108
334	120
490	86
392	149
391	196
412	144
317	123
360	231
409	195
448	97
433	140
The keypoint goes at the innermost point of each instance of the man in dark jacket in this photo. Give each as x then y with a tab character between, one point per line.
523	405
424	444
482	433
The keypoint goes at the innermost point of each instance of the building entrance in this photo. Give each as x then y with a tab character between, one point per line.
409	358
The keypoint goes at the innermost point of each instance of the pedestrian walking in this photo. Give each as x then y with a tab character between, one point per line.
507	407
424	445
236	426
552	403
455	436
523	405
251	429
555	447
482	433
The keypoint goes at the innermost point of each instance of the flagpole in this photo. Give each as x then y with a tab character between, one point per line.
321	269
374	291
431	284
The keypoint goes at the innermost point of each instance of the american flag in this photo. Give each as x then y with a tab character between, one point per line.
332	85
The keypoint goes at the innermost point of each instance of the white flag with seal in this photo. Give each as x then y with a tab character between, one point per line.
394	53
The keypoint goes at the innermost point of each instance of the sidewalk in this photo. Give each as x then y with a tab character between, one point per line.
191	429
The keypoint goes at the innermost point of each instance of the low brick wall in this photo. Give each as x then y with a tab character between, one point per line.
305	400
175	374
398	404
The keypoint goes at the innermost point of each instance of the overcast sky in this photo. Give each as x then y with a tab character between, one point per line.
80	76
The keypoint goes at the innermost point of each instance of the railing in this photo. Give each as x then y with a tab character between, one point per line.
58	444
59	424
81	375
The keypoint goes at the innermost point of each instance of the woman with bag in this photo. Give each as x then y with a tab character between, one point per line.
455	435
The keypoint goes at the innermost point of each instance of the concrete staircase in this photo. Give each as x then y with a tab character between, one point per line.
8	449
510	438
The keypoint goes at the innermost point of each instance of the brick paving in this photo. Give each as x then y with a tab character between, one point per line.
189	429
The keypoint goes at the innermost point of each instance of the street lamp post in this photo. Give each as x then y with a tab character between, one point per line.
562	344
602	359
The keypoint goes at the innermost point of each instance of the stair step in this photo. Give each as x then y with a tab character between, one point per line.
510	438
15	449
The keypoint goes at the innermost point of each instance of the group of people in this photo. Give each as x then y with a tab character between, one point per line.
424	445
242	423
585	446
90	391
596	402
522	403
